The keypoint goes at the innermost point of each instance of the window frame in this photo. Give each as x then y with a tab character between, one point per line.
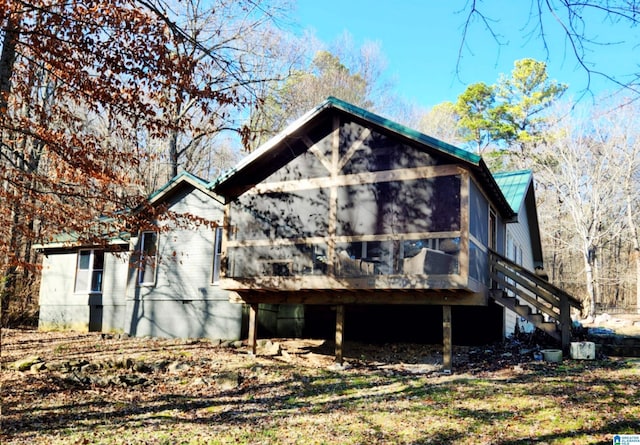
143	262
216	267
89	271
492	239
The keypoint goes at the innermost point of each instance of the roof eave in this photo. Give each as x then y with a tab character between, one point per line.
508	214
267	146
77	244
175	183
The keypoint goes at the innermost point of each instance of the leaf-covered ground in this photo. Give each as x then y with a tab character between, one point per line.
80	388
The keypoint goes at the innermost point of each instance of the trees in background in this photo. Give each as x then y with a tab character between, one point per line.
441	122
500	121
508	118
588	171
233	47
350	75
86	89
577	31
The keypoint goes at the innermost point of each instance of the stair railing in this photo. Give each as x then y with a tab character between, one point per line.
536	291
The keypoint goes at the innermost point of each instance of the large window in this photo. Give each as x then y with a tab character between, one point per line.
148	258
217	254
89	271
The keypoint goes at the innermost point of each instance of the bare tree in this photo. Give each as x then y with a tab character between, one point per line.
64	66
590	169
348	73
625	136
577	22
233	49
441	122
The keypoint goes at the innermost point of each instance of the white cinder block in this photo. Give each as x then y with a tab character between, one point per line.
584	350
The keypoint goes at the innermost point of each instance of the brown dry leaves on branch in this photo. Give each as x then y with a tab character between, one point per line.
84	86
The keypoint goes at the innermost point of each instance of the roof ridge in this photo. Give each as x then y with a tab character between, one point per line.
513	172
404	130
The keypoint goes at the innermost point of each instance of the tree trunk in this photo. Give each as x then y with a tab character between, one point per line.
173	153
7	59
635	255
10	271
588	270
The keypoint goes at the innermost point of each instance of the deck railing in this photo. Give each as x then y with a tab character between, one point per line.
536	291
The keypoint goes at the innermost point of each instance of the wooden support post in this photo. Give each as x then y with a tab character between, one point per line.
565	323
253	328
339	332
447	349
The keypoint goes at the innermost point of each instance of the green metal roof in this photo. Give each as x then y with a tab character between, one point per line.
193	179
403	130
75	239
514	186
332	102
239	178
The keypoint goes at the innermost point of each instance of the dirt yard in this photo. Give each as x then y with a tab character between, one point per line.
80	388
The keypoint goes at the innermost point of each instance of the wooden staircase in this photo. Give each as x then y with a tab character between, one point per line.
532	297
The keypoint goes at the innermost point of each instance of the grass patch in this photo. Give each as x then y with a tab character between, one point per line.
278	401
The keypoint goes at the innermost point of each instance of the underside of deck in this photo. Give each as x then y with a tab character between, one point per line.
345	296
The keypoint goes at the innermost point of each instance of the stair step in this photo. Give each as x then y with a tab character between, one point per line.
537	319
525	311
548	327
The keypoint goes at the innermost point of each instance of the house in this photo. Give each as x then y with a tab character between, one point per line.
160	283
343	212
346	208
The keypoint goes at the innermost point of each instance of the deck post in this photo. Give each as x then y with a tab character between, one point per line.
339	332
565	323
253	328
447	349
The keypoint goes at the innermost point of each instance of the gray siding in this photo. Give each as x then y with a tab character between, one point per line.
62	308
520	236
183	302
185	319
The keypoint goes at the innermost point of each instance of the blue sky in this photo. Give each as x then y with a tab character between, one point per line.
420	40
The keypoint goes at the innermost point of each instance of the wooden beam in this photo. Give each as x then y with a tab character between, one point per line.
253	328
343	239
337	180
381	283
565	323
313	148
331	297
333	197
465	226
339	333
366	132
447	347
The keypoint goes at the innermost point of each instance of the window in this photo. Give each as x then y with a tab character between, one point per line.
217	254
89	271
493	230
148	258
514	250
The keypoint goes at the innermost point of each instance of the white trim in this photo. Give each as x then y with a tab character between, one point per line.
142	260
90	270
216	269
